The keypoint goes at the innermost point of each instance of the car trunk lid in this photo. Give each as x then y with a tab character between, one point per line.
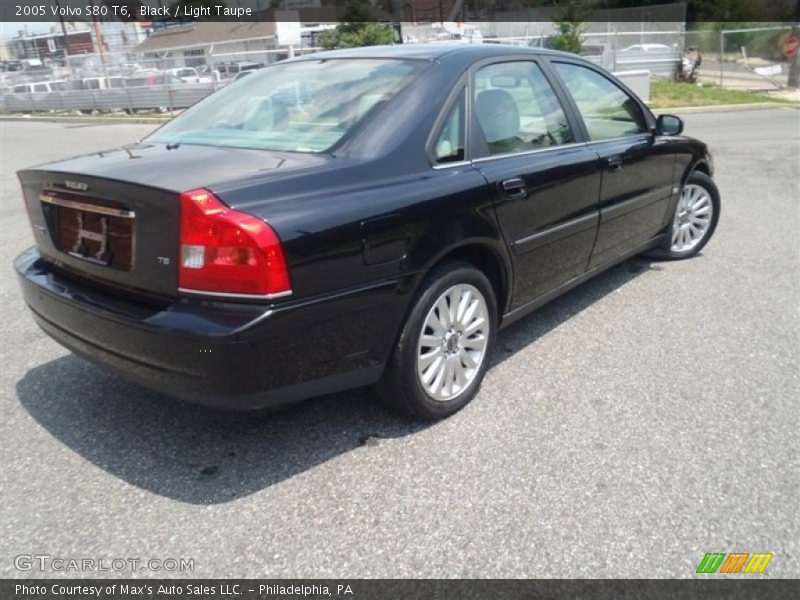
114	217
110	231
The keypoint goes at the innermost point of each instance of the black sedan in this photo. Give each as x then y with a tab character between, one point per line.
357	217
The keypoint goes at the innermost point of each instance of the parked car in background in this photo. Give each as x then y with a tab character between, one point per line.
254	251
102	83
189	75
659	59
152	78
650	48
33	64
206	71
10	65
42	86
232	69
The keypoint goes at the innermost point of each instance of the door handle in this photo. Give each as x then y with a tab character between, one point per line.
514	188
614	163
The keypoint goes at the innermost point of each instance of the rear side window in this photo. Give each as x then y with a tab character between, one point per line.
449	146
40	87
517	108
607	110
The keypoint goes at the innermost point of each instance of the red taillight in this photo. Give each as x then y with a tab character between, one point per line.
225	251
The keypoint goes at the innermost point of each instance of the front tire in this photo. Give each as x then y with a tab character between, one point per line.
445	345
695	218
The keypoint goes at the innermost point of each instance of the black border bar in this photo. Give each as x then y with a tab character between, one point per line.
614	11
399	589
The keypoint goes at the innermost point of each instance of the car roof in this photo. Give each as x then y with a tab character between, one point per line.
432	51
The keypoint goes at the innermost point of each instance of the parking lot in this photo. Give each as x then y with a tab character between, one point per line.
647	417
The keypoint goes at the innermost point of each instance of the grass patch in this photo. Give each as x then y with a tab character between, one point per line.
668	94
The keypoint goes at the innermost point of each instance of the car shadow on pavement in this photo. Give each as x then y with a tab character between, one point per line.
203	456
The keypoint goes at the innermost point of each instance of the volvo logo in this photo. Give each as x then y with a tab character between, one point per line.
76	185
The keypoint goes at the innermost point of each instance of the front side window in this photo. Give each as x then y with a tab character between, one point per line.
607	110
449	145
302	106
517	108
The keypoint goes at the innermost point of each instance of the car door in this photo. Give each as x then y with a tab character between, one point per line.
544	180
637	167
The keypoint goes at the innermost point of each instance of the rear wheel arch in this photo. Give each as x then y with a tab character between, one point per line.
486	259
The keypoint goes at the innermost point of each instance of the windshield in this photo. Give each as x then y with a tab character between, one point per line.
303	106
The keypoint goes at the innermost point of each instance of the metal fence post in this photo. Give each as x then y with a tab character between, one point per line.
210	66
127	97
721	56
105	74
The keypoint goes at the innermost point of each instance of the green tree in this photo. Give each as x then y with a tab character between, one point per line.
357	28
570	23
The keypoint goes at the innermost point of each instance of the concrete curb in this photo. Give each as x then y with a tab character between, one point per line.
726	107
89	120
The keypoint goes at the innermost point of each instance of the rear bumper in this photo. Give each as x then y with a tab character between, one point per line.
225	355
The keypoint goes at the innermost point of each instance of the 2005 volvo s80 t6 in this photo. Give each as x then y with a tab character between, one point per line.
356	217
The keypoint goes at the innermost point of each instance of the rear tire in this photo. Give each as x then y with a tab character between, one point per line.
695	218
445	346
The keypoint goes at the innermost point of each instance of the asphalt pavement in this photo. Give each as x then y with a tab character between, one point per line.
626	429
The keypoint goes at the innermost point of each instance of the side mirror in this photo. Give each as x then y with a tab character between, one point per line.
669	125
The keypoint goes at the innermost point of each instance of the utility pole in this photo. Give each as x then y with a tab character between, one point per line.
98	34
63	31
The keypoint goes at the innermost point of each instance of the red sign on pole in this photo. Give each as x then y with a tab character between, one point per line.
790	46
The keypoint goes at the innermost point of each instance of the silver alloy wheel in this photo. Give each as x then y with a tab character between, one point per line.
452	342
692	218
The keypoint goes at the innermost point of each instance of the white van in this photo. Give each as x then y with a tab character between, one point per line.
189	75
102	83
42	86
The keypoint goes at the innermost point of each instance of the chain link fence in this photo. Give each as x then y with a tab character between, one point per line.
130	83
747	59
658	49
173	80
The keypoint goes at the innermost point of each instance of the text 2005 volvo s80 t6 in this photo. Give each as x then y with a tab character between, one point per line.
356	217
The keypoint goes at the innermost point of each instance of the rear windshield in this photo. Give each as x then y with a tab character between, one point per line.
303	106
